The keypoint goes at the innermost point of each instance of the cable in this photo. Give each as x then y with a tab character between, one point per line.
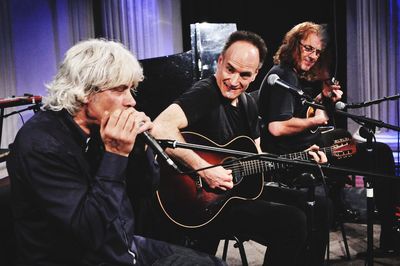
22	118
326	190
335	38
398	138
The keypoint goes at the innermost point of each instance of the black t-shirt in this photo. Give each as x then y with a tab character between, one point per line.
212	115
279	104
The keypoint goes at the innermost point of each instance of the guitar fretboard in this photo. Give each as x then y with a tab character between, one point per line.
304	155
252	167
255	166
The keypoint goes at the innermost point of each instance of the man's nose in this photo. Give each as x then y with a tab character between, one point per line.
314	55
235	79
129	99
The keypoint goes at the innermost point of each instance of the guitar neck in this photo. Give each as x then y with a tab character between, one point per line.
304	155
251	167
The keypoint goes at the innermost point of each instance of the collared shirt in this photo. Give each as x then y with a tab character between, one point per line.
69	196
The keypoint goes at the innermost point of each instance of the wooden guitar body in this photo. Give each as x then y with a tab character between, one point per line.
189	202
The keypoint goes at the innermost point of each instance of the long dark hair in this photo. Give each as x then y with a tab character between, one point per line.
289	52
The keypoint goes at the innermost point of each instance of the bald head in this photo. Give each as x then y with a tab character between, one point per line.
237	68
244	55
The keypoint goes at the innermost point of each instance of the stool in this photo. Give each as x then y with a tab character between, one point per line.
238	244
346	245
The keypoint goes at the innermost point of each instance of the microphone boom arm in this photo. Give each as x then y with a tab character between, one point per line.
165	143
363	119
368	103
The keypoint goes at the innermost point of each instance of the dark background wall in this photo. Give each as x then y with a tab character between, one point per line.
270	22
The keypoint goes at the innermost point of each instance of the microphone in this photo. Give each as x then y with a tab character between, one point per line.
149	139
343	106
274	79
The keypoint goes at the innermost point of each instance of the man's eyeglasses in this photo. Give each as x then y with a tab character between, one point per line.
310	49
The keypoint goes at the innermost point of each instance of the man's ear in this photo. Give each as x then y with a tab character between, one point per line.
255	75
220	58
85	99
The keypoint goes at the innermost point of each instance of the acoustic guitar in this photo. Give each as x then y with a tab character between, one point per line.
190	203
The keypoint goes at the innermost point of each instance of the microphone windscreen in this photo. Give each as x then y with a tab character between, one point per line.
272	79
340	105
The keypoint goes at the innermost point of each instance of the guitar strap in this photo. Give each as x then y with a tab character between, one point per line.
251	110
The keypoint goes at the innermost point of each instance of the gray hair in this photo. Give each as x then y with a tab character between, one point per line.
90	66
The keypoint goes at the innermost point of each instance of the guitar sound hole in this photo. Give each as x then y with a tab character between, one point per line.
236	177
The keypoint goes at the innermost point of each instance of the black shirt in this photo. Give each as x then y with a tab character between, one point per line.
212	115
69	208
279	104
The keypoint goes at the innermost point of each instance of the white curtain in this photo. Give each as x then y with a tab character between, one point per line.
7	75
373	54
34	36
149	28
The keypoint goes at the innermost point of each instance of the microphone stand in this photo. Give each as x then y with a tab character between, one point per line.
368	131
368	103
267	157
368	134
359	118
34	107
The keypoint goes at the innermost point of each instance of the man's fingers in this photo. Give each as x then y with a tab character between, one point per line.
130	123
319	156
314	155
322	156
104	120
227	182
144	123
114	118
122	118
314	147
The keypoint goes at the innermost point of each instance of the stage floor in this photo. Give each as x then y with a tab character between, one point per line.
357	241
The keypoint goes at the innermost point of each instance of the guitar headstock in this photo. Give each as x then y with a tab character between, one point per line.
343	148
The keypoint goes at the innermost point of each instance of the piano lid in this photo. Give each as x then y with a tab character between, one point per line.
165	78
